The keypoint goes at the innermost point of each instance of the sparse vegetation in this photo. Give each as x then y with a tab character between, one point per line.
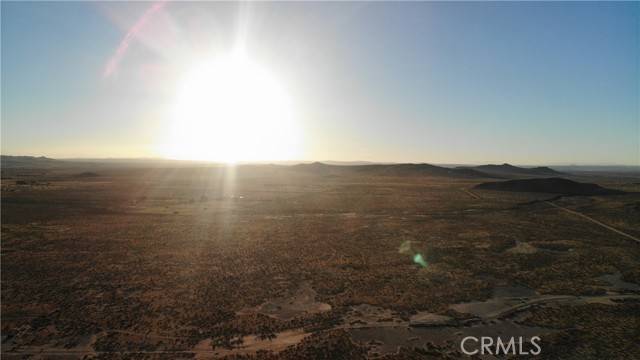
157	261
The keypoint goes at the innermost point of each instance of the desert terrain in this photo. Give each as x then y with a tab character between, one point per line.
313	261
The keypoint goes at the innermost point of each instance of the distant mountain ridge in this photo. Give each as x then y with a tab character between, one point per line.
9	161
503	171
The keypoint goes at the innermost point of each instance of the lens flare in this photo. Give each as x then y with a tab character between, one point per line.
418	259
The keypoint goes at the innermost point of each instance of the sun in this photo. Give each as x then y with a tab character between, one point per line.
230	109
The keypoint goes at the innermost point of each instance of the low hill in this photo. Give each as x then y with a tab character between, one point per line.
28	162
318	168
392	170
86	174
510	170
550	186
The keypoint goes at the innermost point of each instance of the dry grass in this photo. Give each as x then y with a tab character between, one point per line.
161	259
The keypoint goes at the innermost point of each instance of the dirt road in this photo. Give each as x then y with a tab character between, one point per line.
595	221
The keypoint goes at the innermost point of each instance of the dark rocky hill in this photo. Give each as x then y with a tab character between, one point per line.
510	170
392	170
549	185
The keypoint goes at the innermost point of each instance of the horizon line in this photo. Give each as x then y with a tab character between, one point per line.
326	161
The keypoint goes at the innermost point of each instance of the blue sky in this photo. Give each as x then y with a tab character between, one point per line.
526	83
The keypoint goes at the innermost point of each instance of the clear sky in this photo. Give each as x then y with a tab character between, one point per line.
525	83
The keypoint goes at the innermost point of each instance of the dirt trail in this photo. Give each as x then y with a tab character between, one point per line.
595	221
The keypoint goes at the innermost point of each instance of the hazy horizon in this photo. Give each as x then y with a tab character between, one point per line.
442	83
326	161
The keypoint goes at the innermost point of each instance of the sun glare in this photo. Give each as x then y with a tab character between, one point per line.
228	110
